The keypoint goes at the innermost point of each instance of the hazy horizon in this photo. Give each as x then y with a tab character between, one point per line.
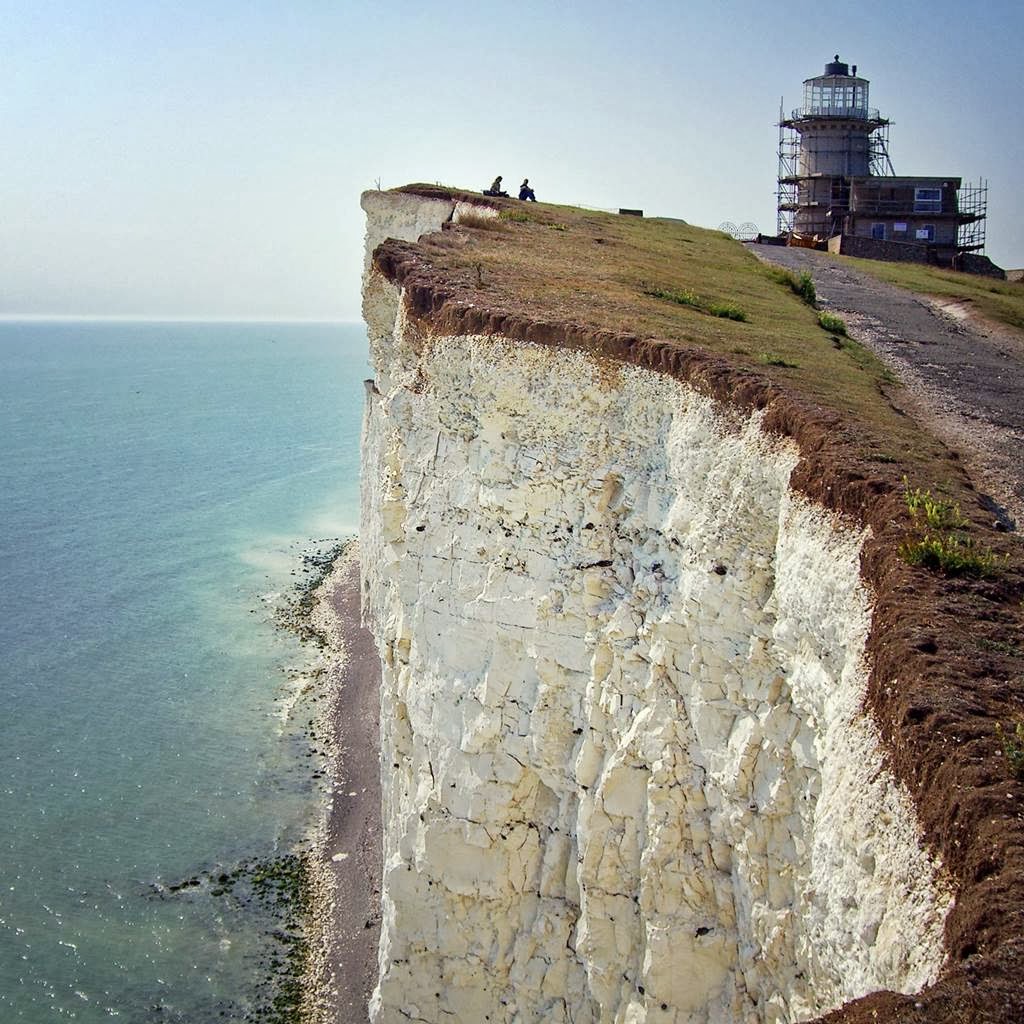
141	318
182	162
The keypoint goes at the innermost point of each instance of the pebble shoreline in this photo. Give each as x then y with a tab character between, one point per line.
340	969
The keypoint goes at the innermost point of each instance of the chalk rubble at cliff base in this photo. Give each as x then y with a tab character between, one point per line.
627	776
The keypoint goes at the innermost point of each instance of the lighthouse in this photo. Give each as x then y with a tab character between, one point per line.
835	135
837	187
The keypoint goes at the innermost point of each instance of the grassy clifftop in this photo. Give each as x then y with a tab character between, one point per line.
690	287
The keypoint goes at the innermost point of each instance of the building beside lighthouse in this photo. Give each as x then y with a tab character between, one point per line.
837	187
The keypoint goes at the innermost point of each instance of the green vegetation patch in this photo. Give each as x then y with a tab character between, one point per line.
1006	647
832	323
951	554
1012	742
723	310
680	298
727	312
937	513
940	544
773	359
801	285
280	885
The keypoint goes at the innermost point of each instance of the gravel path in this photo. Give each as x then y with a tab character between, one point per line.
964	377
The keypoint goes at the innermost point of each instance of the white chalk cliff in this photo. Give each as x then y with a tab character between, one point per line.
627	773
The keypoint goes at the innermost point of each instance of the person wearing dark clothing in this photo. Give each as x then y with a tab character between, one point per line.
495	189
525	192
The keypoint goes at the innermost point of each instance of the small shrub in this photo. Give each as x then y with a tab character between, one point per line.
806	290
800	285
727	312
1013	746
518	216
951	554
832	323
937	513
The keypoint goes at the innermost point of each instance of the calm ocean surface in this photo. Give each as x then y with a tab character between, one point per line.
158	486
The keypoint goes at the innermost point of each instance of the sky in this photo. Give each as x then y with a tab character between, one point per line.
205	160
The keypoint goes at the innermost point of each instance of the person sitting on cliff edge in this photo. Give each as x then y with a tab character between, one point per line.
525	192
495	189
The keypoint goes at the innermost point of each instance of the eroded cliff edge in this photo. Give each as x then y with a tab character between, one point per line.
632	767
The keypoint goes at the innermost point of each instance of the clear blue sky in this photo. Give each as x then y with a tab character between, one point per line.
206	159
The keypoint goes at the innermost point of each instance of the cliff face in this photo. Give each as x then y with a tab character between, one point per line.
627	776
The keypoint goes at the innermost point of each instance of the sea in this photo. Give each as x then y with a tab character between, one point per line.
161	485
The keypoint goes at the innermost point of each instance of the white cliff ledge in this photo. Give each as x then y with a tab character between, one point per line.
626	773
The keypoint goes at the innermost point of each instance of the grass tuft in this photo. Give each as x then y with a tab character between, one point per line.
771	359
727	312
801	285
517	216
938	547
680	298
951	554
832	323
723	310
1013	746
936	512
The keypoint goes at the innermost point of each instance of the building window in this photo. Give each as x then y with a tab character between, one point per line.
878	231
928	200
925	233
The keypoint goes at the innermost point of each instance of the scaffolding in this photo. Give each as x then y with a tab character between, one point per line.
972	205
832	196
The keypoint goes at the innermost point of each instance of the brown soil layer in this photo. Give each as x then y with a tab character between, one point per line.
947	653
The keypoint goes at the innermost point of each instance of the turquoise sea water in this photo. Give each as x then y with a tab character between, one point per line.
158	484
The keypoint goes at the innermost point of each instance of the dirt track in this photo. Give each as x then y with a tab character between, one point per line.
964	377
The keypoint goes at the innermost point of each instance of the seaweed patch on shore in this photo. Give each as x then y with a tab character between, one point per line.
282	892
296	612
279	887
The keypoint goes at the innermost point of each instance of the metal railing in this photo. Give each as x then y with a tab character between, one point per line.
858	113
